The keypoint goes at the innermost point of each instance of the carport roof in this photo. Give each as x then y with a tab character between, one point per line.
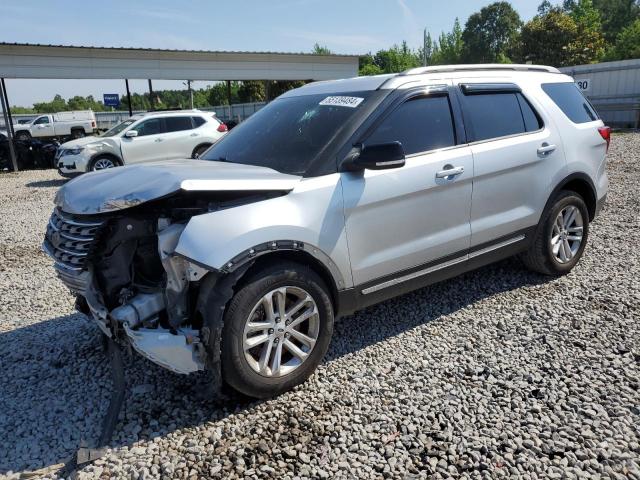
24	60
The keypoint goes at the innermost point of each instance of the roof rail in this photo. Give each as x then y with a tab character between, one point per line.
480	67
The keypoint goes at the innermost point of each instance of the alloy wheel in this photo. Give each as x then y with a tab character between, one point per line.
566	234
281	331
103	163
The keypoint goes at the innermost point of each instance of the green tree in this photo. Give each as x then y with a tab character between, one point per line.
321	50
251	91
397	59
589	45
490	34
616	15
547	39
367	66
627	43
58	104
450	47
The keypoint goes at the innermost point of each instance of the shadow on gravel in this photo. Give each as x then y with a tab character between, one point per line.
55	379
48	183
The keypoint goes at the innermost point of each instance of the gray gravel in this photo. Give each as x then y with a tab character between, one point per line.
498	373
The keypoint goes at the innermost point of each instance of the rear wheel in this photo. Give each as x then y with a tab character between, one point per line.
77	133
103	162
199	150
561	236
277	329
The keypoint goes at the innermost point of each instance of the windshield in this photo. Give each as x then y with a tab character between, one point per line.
118	128
289	133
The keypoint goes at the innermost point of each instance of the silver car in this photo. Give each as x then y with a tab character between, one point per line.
333	197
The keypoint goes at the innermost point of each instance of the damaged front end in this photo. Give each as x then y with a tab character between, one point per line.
125	275
123	268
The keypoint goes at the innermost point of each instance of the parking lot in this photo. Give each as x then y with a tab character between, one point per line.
500	372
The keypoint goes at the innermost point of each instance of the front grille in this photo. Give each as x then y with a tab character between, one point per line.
70	240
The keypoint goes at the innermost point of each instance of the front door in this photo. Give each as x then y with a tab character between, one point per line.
400	219
42	127
149	145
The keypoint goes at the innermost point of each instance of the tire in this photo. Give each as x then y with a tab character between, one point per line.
77	133
199	150
103	162
551	258
240	369
23	136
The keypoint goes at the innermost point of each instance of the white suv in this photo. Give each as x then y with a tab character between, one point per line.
146	137
333	197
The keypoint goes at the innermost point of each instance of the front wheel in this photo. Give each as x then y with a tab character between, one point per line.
102	163
561	236
23	136
277	329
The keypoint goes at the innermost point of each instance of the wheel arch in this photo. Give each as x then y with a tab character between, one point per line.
202	144
101	155
581	184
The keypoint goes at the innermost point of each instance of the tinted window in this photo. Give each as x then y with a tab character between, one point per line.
420	124
152	126
198	121
493	115
531	120
41	120
571	101
177	124
289	133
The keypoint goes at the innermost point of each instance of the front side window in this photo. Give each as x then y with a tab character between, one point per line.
419	124
41	121
571	101
118	128
152	126
495	115
177	124
289	133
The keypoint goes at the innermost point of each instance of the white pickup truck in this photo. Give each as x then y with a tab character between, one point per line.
62	124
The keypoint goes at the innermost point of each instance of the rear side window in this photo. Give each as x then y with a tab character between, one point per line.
420	124
177	124
571	101
198	121
495	115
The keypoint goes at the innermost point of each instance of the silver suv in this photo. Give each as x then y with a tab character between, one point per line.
335	196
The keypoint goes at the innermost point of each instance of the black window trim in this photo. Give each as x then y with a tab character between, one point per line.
423	91
487	89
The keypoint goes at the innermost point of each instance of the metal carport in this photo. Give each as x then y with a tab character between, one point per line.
19	60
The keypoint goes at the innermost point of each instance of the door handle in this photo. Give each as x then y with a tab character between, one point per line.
193	135
158	140
545	149
450	172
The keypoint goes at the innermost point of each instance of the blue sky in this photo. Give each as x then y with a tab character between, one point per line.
354	27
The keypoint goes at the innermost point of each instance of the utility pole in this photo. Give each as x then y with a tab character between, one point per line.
126	83
424	48
190	93
151	94
4	103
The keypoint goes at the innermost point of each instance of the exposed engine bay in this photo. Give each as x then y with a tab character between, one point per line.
124	270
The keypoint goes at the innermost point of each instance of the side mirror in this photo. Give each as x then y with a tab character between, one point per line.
131	134
380	156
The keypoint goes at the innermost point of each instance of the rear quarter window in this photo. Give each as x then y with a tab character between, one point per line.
571	101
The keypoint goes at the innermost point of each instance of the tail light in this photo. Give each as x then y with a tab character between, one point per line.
605	133
222	127
93	124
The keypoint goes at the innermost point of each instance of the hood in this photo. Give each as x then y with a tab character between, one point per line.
81	142
125	187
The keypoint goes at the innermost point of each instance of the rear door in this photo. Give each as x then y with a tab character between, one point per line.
517	155
181	138
148	146
400	220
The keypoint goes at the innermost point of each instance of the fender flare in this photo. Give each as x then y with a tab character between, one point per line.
272	246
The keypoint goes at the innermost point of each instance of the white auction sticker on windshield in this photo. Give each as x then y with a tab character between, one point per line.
351	102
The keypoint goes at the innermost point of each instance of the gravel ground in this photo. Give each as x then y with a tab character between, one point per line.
498	373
